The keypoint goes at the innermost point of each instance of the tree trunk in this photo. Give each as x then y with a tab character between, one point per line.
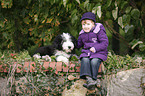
115	39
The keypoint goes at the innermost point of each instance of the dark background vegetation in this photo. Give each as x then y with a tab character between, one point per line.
28	24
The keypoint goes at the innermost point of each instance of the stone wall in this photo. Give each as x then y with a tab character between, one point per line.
125	83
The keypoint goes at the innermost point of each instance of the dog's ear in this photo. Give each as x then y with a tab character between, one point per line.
57	43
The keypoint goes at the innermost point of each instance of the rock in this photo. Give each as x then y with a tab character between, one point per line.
125	83
3	88
71	77
76	90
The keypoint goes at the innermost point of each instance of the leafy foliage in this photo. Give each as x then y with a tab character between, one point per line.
33	23
27	24
116	63
137	44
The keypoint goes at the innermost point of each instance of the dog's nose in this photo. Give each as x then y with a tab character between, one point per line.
69	47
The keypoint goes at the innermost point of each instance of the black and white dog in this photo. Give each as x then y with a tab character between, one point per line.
62	47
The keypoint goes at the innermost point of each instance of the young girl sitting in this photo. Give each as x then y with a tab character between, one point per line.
94	43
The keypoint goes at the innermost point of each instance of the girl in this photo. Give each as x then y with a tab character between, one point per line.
94	41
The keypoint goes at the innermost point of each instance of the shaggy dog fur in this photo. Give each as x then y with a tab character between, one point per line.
62	47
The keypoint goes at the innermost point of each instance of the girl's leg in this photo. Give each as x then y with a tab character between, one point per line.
85	68
95	63
86	72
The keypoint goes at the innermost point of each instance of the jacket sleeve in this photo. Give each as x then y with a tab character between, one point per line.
79	43
102	39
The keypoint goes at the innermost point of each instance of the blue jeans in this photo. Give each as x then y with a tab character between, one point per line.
89	67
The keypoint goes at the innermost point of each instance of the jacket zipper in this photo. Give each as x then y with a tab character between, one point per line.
88	36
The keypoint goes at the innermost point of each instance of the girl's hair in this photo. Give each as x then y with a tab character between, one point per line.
88	19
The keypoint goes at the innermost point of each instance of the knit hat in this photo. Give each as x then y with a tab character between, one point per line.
89	15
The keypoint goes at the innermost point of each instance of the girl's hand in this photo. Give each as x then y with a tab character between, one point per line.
92	49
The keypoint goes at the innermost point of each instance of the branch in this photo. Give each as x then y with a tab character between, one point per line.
133	4
113	31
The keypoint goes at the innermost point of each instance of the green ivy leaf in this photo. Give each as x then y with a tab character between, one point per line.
74	19
128	28
126	19
64	2
107	4
5	35
114	13
128	9
124	4
71	68
142	47
99	11
120	22
136	43
64	65
135	13
19	67
108	14
27	20
86	3
2	22
78	1
94	10
33	65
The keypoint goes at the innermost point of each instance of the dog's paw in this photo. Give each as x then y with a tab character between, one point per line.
36	56
47	58
62	59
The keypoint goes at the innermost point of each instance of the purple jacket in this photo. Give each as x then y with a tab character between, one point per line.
96	38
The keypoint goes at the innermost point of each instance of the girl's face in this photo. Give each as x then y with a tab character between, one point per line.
87	25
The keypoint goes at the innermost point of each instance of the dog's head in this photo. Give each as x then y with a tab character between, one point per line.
65	42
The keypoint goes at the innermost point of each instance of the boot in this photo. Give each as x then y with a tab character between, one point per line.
90	83
90	88
85	85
